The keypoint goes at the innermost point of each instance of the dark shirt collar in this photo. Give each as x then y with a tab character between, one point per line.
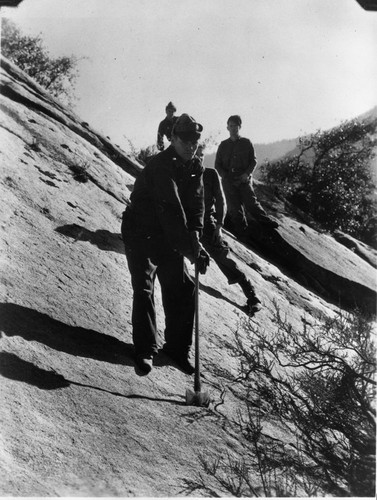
176	157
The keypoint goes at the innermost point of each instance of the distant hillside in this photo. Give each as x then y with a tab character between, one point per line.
272	151
368	117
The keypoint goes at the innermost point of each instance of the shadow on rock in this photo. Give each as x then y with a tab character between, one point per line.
103	239
218	295
332	287
15	368
33	325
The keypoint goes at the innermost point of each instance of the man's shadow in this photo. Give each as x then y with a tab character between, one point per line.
33	325
15	368
103	239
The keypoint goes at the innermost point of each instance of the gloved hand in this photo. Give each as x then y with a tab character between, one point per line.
202	262
200	256
196	245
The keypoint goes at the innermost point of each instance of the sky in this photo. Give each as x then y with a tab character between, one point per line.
287	67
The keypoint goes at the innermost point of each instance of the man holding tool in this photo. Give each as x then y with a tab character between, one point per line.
161	226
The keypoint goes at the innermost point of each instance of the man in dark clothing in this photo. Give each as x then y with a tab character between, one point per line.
166	126
160	227
235	162
213	242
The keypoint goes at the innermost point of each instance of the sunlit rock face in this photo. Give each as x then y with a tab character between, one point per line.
77	419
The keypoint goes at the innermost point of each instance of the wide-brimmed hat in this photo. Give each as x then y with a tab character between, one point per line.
187	128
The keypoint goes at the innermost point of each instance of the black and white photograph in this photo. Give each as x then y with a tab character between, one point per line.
188	248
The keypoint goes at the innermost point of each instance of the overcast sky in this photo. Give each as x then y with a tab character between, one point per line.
288	67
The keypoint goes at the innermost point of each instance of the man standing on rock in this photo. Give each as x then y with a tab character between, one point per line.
166	126
235	162
161	226
212	239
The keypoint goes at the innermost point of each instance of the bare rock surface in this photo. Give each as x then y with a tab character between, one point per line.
317	260
77	418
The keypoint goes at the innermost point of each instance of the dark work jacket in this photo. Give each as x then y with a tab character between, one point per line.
168	198
165	128
214	198
234	158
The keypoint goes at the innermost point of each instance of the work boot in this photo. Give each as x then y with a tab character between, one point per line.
180	359
253	303
144	362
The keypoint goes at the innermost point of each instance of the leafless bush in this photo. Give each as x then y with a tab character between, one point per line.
142	155
319	386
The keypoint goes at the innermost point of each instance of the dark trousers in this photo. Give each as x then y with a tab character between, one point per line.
147	258
220	253
241	201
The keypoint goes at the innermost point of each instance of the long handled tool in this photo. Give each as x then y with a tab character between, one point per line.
197	397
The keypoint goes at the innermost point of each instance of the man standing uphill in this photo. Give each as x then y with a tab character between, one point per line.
166	126
235	162
212	239
160	227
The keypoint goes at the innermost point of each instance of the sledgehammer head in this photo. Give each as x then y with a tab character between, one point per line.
197	398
